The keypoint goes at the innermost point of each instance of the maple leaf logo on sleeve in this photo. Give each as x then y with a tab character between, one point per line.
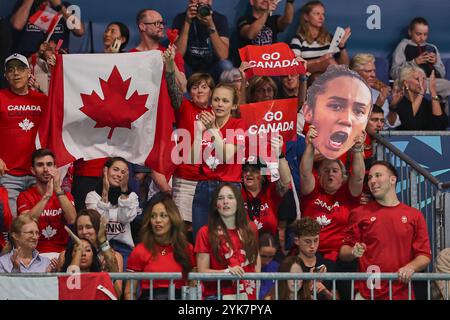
115	110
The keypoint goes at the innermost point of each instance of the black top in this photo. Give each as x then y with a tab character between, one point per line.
424	118
200	55
267	35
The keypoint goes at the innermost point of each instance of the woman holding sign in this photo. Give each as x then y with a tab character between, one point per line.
313	41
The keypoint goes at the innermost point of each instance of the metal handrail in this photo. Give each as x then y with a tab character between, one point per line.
407	159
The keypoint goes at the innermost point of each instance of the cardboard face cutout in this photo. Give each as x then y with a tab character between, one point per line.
338	105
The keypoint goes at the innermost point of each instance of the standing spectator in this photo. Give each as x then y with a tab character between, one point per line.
262	197
23	256
261	88
417	52
48	203
113	200
222	141
151	29
415	111
5	48
27	37
203	39
364	64
260	27
388	234
164	248
228	243
312	41
289	86
21	111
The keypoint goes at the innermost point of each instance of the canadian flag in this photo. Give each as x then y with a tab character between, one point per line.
45	18
103	105
86	286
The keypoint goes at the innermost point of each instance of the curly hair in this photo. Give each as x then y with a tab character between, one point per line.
305	227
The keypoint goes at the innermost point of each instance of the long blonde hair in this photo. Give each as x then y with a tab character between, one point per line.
303	30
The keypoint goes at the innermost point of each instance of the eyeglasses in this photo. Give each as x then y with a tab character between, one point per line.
156	23
254	208
19	69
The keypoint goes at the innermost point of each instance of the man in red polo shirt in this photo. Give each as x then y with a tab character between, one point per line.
388	234
46	201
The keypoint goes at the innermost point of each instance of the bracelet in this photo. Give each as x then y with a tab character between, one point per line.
436	97
61	193
105	246
282	155
304	78
125	192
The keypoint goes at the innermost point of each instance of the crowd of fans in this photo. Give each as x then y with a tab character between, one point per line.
221	217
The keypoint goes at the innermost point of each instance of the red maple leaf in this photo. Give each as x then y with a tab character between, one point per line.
172	35
114	111
44	19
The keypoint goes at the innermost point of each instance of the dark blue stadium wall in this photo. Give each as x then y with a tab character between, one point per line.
391	17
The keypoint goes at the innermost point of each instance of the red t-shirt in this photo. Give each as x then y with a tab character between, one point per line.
142	260
7	216
20	118
394	236
89	168
238	257
186	116
212	168
51	221
331	212
268	213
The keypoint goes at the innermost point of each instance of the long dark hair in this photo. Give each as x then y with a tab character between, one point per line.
114	192
215	223
177	233
93	215
303	293
124	32
95	266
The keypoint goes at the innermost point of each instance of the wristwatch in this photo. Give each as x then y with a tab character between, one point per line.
436	97
211	30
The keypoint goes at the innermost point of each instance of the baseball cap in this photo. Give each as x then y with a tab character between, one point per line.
19	57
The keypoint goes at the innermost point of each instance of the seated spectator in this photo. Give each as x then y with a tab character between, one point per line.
5	217
236	78
222	141
289	86
268	247
306	234
415	51
114	201
88	225
291	289
228	244
18	128
81	255
364	64
260	27
48	203
312	41
204	39
262	197
164	248
23	256
27	37
415	111
261	88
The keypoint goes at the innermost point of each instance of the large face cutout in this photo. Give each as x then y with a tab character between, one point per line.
340	113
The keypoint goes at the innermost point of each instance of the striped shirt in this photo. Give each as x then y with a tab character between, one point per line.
307	50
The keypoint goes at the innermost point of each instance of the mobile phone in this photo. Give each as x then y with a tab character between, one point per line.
320	267
429	49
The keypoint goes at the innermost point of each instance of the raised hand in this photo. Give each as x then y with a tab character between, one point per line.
53	265
105	180
49	188
397	95
115	47
422	58
347	34
54	172
277	143
312	133
77	241
433	84
432	57
208	119
15	258
359	140
191	12
169	58
102	230
124	182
